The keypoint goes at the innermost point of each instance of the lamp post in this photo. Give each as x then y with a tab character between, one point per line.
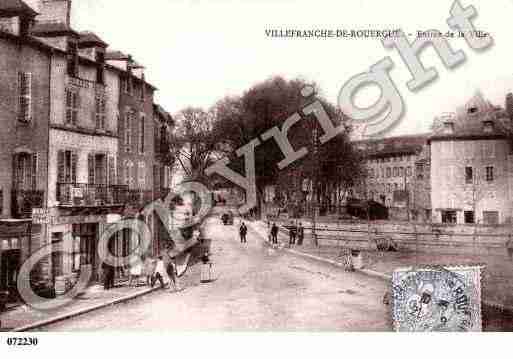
315	197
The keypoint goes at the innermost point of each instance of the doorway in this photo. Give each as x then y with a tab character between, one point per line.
11	263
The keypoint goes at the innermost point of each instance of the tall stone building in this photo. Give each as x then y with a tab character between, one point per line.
77	140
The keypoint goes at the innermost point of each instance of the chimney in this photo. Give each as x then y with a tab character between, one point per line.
55	11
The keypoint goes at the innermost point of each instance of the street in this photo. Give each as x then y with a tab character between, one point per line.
258	288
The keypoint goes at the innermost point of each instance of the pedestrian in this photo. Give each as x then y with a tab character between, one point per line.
509	248
160	273
108	276
149	270
243	231
135	273
206	268
173	274
300	234
292	234
274	234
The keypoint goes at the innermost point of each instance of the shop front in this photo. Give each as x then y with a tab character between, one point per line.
14	247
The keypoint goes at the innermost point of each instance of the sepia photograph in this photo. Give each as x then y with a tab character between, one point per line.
243	166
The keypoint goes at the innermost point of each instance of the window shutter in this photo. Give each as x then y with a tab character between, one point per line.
60	167
25	99
15	174
35	169
112	170
75	105
74	160
90	167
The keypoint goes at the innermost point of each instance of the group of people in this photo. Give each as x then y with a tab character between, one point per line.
296	234
152	270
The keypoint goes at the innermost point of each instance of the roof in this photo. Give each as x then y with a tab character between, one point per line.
43	29
469	123
16	7
90	38
116	55
163	114
393	146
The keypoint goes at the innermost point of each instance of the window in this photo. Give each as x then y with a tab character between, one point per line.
128	177
25	96
142	175
128	130
420	171
489	173
142	121
128	84
396	171
25	171
491	217
389	172
401	171
1	201
408	171
100	109
97	169
72	59
469	175
86	234
449	217
67	167
469	217
72	104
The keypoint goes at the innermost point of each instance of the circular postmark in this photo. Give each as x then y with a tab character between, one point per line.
435	299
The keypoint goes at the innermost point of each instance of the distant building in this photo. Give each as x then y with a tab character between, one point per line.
472	166
397	173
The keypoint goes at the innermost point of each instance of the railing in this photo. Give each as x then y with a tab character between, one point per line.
137	197
24	201
83	194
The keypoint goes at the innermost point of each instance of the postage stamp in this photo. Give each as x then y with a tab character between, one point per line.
437	299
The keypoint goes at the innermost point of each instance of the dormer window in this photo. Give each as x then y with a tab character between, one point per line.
488	126
472	110
448	128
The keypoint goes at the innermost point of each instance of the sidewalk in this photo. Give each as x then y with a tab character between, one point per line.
24	317
497	278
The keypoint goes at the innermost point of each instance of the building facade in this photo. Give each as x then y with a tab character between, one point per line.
397	173
78	142
471	174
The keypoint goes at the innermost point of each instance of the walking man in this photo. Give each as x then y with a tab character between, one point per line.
243	231
274	234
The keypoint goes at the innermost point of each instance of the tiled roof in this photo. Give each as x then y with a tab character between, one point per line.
14	7
116	55
393	146
50	28
88	37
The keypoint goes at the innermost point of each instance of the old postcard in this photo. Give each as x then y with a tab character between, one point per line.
255	166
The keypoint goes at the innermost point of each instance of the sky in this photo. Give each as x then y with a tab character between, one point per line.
198	51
